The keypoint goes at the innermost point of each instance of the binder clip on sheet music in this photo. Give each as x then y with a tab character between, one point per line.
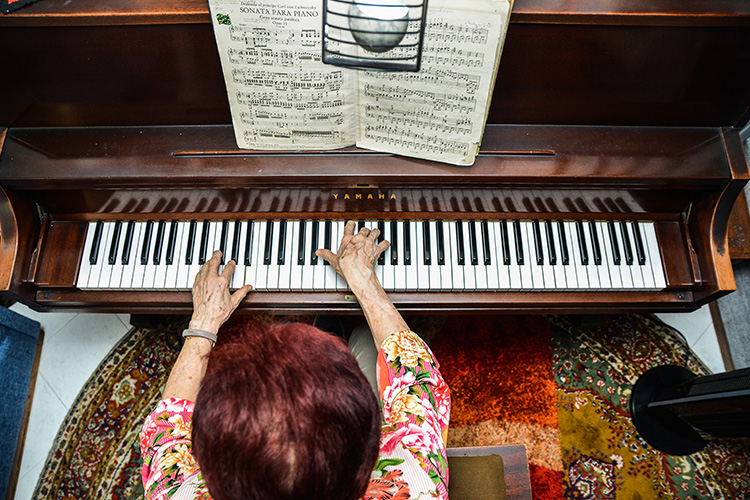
283	95
374	34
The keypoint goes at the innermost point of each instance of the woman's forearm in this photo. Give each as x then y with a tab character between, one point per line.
380	313
188	371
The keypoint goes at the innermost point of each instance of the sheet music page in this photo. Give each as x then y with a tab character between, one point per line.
281	95
438	113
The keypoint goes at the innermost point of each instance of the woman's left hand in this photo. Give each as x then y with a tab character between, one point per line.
213	304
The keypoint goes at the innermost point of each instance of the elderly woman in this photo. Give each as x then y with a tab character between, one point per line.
286	412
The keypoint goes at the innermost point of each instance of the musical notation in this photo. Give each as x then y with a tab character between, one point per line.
445	31
263	37
395	136
420	119
269	57
282	81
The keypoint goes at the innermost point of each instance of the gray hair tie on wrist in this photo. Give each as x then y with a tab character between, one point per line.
192	332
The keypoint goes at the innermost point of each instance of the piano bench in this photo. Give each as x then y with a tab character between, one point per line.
489	473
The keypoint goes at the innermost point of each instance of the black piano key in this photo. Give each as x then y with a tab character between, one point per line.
128	243
595	248
460	243
563	243
519	242
301	243
582	243
407	243
486	242
505	241
394	242
426	243
328	229
202	255
616	258
281	256
249	244
115	243
639	248
473	249
159	244
269	244
223	240
381	237
551	250
236	242
360	225
192	227
171	243
440	242
315	238
538	248
146	247
96	243
626	248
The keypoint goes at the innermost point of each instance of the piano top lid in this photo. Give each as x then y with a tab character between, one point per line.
635	12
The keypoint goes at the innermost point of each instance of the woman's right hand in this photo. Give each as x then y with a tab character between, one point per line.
356	257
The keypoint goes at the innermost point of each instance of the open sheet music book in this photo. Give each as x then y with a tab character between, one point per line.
283	97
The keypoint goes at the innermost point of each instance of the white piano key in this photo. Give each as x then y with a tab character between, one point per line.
493	279
514	269
457	271
558	270
423	272
537	276
257	234
129	269
339	226
389	278
330	277
637	271
84	270
295	268
272	276
527	280
653	254
115	276
502	270
286	268
412	278
314	274
175	279
261	268
102	270
603	269
433	268
238	278
149	270
582	276
615	271
569	269
548	271
227	252
470	277
446	273
480	269
160	272
591	270
195	266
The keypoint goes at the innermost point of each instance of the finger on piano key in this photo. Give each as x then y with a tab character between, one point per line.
514	268
537	276
239	241
330	235
102	270
605	277
116	251
339	227
615	269
131	257
174	278
227	241
328	239
641	261
294	283
85	268
653	254
576	253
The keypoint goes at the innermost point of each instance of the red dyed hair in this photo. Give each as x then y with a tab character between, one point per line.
285	413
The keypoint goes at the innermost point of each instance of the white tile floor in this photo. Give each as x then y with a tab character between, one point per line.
75	344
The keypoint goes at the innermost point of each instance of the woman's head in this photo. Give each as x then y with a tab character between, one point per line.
284	412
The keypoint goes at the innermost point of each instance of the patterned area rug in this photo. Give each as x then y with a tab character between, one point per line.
544	382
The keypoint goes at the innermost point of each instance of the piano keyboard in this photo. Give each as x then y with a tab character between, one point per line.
424	256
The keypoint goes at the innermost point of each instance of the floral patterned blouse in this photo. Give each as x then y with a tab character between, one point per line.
412	462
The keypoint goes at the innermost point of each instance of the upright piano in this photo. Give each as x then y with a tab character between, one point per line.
608	169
